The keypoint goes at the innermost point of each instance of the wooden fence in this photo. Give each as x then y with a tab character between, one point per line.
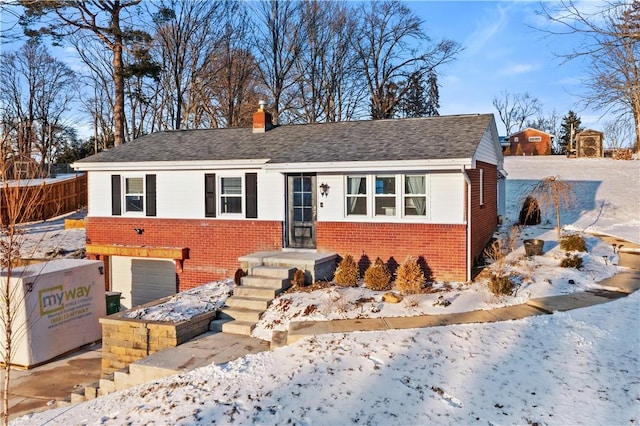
38	200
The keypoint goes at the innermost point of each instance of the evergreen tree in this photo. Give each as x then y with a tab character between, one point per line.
570	126
414	103
433	97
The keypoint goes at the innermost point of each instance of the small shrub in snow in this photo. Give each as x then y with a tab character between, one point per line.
573	242
571	261
409	277
500	285
377	276
237	278
298	278
347	272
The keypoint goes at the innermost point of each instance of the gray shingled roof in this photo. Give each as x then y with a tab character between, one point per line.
455	136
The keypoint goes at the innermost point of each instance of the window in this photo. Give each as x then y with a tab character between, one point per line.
356	195
535	138
134	194
385	196
515	139
230	195
415	199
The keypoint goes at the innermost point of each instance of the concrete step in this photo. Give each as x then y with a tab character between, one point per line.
273	271
257	292
216	325
78	396
106	386
241	314
238	327
91	391
264	282
248	302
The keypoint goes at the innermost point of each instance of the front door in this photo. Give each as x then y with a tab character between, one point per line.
301	211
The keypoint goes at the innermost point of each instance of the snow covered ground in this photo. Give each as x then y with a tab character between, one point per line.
578	367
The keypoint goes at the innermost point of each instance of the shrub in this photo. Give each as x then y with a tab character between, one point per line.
409	277
347	272
530	212
571	261
573	242
500	285
237	277
377	276
298	278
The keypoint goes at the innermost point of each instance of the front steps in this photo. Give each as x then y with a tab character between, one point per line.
243	310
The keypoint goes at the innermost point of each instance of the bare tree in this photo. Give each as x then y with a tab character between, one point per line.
16	202
552	191
277	45
618	133
609	39
36	91
110	21
514	109
391	46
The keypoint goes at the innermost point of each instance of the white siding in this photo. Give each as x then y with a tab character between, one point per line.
489	150
447	198
180	194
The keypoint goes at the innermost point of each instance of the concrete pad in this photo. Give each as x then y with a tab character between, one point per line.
627	282
33	390
567	302
216	348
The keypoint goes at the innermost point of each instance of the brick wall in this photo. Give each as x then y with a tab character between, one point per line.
441	248
484	219
214	245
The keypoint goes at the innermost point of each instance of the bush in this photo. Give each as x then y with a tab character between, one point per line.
573	242
530	212
377	276
571	261
237	277
500	285
409	277
298	278
347	272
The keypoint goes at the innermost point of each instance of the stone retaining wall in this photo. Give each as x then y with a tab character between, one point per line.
125	340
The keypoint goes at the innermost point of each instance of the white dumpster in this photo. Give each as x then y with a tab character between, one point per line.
56	306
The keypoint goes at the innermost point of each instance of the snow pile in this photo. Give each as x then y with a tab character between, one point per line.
188	304
579	367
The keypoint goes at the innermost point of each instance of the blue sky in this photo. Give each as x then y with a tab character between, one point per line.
503	52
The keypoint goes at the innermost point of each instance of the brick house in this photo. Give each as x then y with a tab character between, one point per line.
173	210
531	140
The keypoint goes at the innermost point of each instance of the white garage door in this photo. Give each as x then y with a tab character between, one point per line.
142	280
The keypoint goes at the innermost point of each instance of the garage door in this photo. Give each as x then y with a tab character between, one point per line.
142	280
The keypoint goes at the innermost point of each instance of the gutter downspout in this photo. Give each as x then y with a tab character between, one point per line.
467	179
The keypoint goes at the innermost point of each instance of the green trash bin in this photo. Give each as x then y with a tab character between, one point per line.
113	302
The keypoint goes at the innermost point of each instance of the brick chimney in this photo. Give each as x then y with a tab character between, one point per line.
261	119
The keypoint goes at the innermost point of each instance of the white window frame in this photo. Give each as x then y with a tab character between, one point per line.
394	196
221	196
535	138
348	196
515	139
125	194
406	195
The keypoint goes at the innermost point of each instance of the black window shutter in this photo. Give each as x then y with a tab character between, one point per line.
251	191
150	193
210	195
116	195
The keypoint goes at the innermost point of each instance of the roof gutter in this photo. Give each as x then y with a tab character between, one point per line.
171	165
363	166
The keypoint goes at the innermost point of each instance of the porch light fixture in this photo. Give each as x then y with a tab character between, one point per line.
324	189
139	231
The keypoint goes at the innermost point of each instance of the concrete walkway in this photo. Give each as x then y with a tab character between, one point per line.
28	393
